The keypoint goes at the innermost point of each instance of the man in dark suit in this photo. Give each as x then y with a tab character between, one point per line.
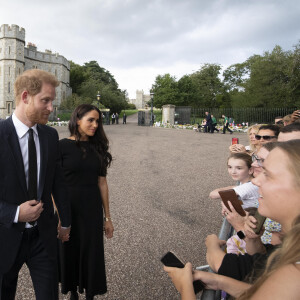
209	125
30	173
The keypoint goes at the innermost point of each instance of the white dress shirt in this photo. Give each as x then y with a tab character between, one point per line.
23	135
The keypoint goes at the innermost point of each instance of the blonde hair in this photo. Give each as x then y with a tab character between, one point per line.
32	81
255	128
289	252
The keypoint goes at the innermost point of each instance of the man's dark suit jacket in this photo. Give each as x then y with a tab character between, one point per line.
208	119
13	192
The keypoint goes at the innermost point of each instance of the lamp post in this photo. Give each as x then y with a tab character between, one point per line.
98	99
151	96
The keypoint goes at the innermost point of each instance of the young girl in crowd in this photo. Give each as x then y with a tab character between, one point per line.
279	187
239	168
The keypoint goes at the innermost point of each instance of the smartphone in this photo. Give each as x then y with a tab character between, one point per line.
230	195
260	222
234	141
171	260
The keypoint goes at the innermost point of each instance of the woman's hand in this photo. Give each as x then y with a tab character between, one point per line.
236	148
109	229
214	253
211	280
249	226
183	280
235	219
212	241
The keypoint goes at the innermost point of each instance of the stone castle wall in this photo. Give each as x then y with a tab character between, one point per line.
141	99
15	58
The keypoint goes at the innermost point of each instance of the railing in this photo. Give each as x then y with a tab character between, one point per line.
239	115
224	234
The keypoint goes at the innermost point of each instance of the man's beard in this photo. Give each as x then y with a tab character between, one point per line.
37	117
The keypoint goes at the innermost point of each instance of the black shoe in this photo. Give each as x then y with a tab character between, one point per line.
74	295
231	132
223	133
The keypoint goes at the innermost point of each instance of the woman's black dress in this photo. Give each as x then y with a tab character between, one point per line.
82	257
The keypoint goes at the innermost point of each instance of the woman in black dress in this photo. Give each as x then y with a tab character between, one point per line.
85	159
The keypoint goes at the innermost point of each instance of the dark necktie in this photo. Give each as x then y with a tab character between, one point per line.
32	169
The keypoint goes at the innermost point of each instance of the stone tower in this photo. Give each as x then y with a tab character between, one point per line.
15	58
12	42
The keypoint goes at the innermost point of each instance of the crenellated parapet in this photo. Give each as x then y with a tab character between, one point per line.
30	52
15	58
12	31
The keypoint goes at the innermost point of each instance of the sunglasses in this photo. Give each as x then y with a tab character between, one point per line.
259	161
265	137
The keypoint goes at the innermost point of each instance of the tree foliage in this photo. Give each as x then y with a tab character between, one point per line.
87	80
268	80
165	90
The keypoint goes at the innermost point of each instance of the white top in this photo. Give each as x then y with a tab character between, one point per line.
248	193
23	135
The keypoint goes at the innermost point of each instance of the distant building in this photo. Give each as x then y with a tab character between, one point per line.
141	99
15	58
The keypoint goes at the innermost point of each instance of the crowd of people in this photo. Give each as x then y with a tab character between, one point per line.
39	173
266	264
115	118
209	124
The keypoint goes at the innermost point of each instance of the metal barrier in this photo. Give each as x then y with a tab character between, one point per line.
225	233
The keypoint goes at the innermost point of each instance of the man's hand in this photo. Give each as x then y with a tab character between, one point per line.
30	211
295	116
63	233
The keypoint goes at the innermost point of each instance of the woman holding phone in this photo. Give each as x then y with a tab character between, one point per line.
279	187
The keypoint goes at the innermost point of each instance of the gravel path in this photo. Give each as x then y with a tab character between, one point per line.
159	184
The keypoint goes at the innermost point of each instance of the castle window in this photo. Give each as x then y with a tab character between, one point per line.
9	71
9	108
55	72
8	87
8	49
19	71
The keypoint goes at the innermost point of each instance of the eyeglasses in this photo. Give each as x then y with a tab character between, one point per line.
265	137
260	161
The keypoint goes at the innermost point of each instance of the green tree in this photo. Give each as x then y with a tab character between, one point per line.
208	84
87	80
77	76
165	91
187	91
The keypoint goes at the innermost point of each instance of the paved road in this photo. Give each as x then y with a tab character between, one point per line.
159	184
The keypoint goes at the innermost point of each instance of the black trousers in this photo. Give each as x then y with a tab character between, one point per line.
43	271
209	128
214	127
226	127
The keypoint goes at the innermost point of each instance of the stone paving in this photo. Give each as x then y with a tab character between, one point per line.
159	184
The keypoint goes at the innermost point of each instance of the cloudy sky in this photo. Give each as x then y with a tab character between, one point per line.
136	40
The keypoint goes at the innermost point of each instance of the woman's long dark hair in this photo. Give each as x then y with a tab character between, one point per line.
98	141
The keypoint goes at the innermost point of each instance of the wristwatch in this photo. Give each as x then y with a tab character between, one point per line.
241	234
107	219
